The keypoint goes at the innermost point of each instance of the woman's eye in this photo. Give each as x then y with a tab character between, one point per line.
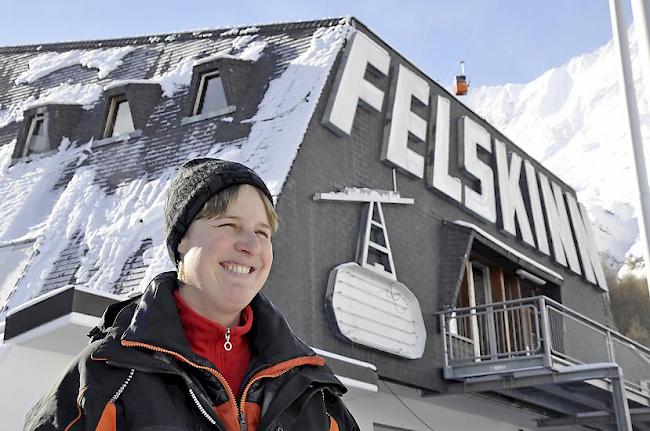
233	225
264	234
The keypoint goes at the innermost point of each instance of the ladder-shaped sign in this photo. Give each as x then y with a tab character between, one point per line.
365	301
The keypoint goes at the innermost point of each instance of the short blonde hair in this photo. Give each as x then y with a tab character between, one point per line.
219	203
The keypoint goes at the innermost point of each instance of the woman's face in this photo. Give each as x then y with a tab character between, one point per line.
226	259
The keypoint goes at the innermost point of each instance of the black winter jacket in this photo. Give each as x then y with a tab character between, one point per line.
139	373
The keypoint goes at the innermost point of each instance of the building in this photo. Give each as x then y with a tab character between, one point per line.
450	280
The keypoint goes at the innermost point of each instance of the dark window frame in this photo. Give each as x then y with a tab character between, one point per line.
59	120
142	97
111	117
233	73
199	101
33	121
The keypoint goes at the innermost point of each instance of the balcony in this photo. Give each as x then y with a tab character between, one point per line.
538	351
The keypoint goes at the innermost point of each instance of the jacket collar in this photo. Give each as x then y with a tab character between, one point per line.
154	320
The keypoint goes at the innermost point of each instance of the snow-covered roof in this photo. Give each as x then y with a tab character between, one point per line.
94	209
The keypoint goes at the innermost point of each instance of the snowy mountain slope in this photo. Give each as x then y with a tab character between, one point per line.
572	119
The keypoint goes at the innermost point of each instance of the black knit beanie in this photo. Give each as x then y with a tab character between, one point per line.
196	182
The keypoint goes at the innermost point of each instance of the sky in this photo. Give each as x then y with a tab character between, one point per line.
501	41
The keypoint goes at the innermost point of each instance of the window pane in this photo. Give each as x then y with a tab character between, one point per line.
37	141
123	120
481	286
213	97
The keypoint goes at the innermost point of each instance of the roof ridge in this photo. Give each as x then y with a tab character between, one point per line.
174	36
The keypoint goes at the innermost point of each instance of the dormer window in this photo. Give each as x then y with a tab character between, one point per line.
44	127
211	97
220	86
36	141
128	106
120	120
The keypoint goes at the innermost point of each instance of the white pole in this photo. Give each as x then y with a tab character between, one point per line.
640	10
619	32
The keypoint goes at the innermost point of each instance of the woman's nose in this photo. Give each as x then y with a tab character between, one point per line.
247	242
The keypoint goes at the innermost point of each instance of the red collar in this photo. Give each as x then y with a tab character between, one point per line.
201	330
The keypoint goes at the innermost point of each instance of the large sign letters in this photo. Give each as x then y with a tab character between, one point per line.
533	209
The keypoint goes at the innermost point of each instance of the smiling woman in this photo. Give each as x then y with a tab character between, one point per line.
226	259
201	348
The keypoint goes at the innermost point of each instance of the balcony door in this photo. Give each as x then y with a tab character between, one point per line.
482	319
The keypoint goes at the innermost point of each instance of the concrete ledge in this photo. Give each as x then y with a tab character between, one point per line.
58	321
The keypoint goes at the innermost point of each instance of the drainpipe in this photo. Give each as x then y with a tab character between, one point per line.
619	32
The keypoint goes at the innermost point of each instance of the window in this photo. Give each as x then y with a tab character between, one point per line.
496	318
120	120
44	127
210	97
36	141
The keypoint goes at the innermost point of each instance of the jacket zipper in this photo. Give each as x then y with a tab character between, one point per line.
242	404
217	374
200	407
185	379
259	376
227	345
239	409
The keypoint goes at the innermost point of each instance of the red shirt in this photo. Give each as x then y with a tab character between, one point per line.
208	339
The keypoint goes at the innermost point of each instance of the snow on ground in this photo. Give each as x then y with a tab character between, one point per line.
104	60
572	120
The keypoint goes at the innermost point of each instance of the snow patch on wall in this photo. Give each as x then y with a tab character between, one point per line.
105	60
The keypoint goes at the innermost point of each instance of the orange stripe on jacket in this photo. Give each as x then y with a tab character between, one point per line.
108	420
253	413
228	416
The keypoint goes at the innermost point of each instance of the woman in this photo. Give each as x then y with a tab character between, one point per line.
201	349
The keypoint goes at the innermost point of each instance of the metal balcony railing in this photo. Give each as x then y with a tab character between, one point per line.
535	333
